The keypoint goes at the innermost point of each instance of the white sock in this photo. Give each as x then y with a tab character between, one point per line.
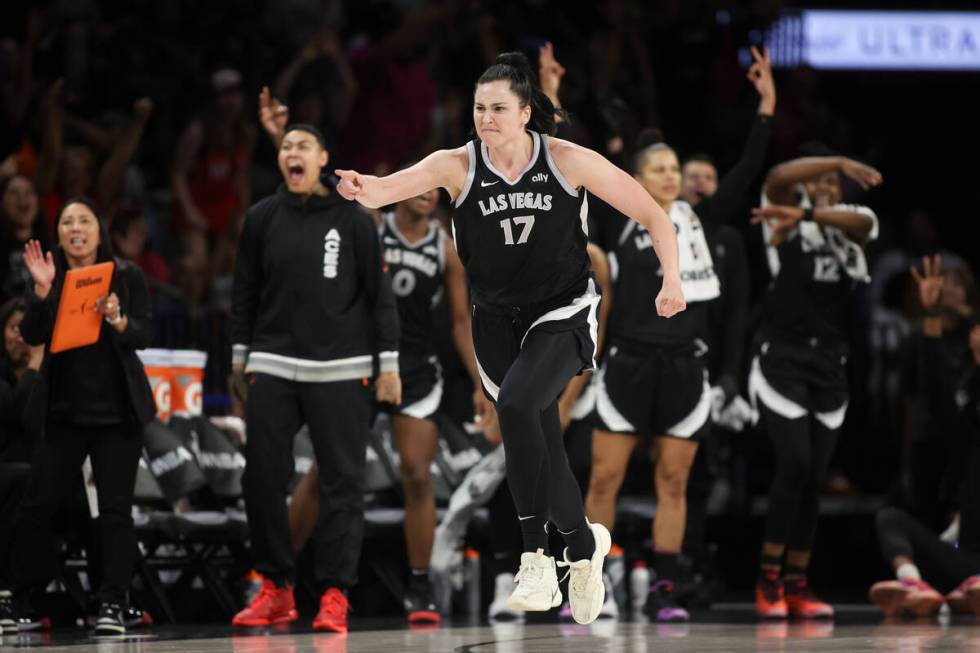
907	570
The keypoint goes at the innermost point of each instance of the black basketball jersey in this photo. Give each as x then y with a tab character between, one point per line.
523	242
811	294
417	278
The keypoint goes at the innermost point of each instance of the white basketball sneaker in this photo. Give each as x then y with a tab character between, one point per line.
499	611
537	584
610	609
586	591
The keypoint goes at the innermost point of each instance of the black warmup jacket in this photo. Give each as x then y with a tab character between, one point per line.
312	300
137	405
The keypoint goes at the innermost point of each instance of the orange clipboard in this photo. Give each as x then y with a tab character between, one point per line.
78	323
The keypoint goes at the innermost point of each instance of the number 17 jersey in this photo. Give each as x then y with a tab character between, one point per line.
523	242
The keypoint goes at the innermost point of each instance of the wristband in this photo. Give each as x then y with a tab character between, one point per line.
808	214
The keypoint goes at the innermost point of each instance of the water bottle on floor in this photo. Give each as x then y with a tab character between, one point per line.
471	583
639	585
615	569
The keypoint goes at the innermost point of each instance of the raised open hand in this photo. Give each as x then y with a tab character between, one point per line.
760	75
273	114
41	267
930	283
550	71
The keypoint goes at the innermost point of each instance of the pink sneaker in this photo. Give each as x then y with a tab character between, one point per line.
906	597
965	599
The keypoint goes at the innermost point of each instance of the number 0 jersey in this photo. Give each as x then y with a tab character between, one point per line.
417	278
523	242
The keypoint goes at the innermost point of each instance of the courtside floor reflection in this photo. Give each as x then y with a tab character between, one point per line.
733	630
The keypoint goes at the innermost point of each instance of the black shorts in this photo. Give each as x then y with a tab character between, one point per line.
421	391
655	391
797	378
499	335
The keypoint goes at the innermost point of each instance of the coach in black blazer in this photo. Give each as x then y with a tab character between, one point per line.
92	401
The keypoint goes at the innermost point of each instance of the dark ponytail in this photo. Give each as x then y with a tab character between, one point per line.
516	69
648	141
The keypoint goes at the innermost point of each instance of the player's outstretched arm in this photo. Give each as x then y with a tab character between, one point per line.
441	169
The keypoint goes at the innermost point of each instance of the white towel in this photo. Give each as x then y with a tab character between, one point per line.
698	279
699	283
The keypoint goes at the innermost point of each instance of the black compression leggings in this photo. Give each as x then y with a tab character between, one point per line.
943	565
538	472
803	447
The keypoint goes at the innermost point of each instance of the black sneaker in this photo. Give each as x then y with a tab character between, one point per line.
420	606
661	605
26	618
110	620
133	617
7	622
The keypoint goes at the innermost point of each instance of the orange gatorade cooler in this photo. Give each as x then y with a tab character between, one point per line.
157	363
187	377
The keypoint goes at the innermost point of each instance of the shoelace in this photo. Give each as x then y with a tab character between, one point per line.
264	595
578	583
336	603
802	590
770	592
530	571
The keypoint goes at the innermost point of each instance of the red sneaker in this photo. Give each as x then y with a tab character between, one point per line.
272	605
803	603
770	601
908	596
965	599
332	616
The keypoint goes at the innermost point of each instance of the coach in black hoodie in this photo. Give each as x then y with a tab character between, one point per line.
313	319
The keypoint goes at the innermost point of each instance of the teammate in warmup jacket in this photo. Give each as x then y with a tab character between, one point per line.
92	401
798	379
521	234
313	319
424	268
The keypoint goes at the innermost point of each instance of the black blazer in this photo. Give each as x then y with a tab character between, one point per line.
129	284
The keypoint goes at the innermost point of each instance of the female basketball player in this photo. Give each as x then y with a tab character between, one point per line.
798	380
654	378
520	232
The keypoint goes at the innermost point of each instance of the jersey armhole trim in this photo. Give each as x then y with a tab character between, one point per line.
441	248
470	174
554	167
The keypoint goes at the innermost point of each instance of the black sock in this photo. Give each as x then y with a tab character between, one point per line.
324	585
418	578
534	534
769	567
665	565
280	580
795	575
580	542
